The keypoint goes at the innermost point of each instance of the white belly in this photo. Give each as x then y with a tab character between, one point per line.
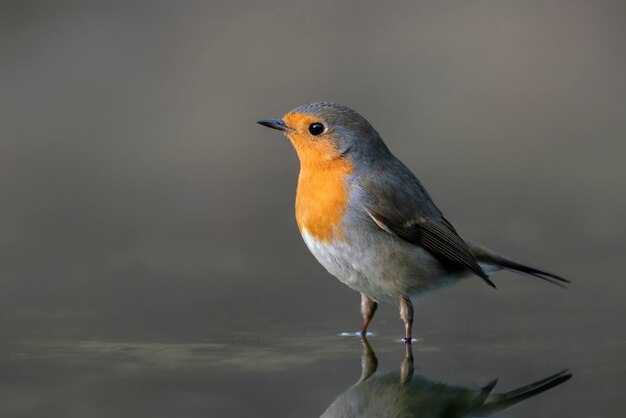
382	272
340	259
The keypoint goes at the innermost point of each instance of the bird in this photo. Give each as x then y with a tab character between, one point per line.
405	395
369	221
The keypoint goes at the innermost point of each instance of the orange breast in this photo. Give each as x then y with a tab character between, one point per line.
322	198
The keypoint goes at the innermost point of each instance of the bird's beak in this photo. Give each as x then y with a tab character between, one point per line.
274	124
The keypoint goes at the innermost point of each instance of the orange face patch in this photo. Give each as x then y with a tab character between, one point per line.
322	195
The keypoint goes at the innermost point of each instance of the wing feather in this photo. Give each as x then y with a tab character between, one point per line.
441	241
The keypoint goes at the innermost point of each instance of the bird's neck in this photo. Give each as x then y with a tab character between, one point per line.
322	197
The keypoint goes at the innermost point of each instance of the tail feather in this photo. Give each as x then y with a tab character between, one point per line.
498	402
486	256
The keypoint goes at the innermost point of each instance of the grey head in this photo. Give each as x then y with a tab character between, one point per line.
328	130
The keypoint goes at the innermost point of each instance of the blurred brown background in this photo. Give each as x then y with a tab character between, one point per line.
140	198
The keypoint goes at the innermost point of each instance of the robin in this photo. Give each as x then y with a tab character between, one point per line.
369	221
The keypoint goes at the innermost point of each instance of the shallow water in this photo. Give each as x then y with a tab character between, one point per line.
286	371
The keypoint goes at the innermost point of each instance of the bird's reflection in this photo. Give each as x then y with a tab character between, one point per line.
406	395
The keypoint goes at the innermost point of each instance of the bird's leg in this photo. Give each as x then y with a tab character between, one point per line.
406	367
368	309
406	313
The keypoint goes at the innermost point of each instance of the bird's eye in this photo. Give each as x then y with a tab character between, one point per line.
316	128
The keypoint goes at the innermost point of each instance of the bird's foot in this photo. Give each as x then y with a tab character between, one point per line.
355	334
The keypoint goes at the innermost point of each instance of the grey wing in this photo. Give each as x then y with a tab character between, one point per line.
399	204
